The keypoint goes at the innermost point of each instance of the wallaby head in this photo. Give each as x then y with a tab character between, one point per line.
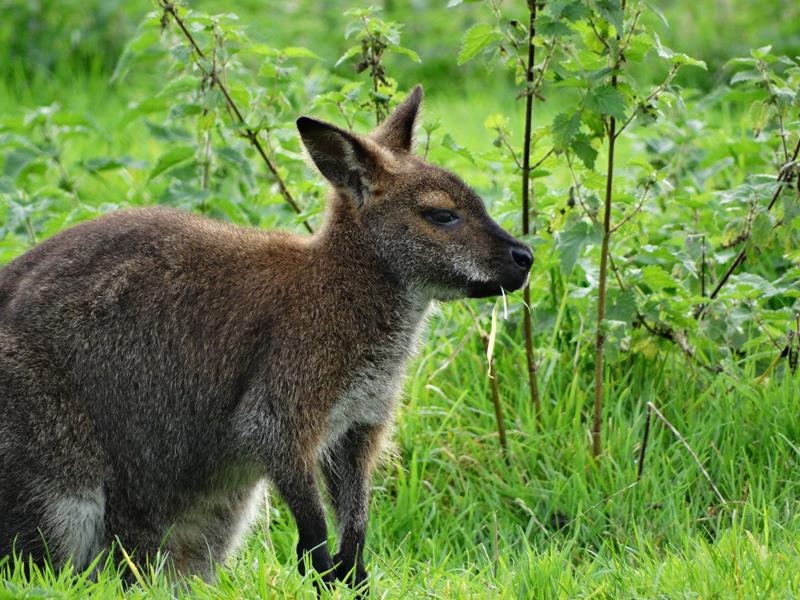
426	227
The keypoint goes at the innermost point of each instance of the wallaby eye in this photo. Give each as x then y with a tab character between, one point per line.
442	216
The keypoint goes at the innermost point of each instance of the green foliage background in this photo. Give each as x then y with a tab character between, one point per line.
100	109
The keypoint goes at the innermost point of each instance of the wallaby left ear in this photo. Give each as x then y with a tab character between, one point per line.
345	160
397	132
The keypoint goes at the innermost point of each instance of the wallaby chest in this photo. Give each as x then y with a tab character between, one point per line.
374	384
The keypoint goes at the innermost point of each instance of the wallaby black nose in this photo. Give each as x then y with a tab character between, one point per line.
522	256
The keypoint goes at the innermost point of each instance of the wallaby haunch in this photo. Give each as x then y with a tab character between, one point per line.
156	367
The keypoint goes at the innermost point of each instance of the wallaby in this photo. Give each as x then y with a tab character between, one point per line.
157	367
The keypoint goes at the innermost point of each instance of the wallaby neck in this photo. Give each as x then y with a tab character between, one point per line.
357	269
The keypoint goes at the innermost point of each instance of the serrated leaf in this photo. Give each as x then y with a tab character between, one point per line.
582	147
170	159
406	52
607	100
745	76
761	53
676	58
17	161
611	10
299	52
549	27
761	229
349	53
6	186
449	143
571	10
477	38
564	128
104	163
571	242
621	306
657	278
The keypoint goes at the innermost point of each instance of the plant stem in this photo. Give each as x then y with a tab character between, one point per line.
250	134
494	388
600	339
526	210
643	449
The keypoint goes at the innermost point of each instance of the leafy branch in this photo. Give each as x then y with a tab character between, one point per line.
785	175
213	76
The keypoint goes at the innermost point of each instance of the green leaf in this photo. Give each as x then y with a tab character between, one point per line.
657	278
677	58
565	127
761	229
571	10
171	159
349	53
299	52
449	143
405	51
104	163
582	147
745	76
611	10
549	27
17	161
761	53
7	186
621	306
607	100
477	38
571	242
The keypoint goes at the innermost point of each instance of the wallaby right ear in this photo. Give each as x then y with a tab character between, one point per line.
342	158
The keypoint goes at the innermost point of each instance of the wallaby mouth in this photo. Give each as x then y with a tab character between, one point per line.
487	289
513	276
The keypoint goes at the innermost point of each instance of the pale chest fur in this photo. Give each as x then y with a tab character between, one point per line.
374	388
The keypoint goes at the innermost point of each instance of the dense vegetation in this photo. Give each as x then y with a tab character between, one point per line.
646	152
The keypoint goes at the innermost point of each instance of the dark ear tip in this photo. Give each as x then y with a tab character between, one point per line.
306	123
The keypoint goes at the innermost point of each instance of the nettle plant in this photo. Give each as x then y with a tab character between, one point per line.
619	234
375	38
42	190
223	123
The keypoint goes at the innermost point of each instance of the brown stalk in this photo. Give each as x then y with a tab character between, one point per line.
494	388
600	339
526	209
250	134
643	449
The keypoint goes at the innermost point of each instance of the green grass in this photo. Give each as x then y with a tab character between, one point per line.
453	516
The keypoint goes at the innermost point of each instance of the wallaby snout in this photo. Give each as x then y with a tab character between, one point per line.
508	272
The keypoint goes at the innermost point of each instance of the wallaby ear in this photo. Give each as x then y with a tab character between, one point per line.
397	131
342	158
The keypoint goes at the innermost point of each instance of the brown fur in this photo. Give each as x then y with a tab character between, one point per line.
156	366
